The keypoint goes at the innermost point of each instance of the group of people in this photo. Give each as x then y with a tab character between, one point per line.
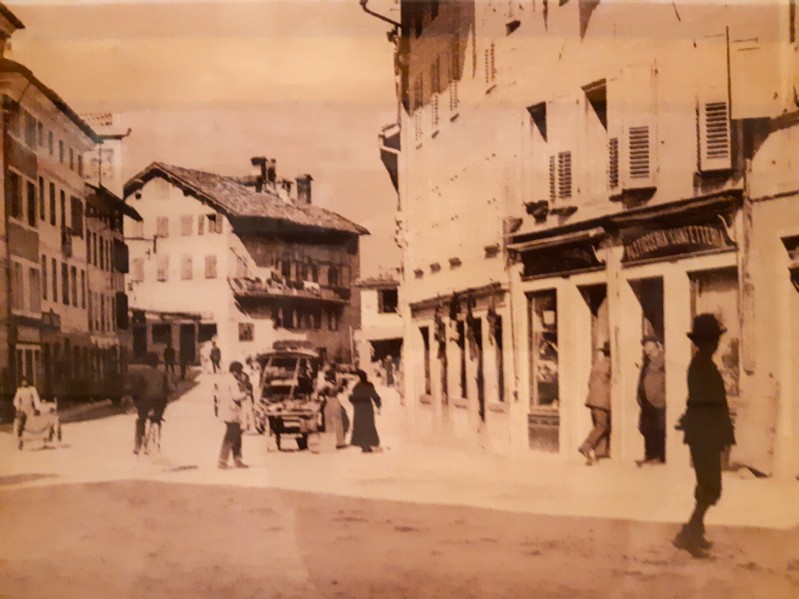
706	424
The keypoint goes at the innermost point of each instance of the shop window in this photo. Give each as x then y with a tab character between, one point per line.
543	348
162	334
716	292
496	333
201	224
387	301
425	332
246	331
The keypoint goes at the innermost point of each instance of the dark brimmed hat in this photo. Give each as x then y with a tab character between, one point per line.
236	367
706	326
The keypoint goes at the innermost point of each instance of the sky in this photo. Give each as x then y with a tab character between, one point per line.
208	85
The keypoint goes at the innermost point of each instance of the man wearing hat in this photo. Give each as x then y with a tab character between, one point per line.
599	403
652	399
229	393
707	428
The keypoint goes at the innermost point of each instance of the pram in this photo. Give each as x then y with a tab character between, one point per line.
45	427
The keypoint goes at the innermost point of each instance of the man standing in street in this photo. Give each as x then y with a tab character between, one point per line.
26	403
216	357
652	399
599	403
707	428
169	358
229	393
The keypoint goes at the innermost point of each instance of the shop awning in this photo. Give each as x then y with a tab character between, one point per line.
553	241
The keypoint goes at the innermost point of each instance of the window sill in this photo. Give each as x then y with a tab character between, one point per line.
455	117
426	399
499	408
491	88
460	402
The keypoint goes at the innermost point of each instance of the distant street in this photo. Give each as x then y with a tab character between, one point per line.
90	519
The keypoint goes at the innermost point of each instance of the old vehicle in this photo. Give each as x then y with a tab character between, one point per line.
287	403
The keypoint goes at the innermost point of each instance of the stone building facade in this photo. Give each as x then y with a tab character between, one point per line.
254	259
578	172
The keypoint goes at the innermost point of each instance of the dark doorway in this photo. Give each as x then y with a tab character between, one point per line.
207	332
187	344
139	340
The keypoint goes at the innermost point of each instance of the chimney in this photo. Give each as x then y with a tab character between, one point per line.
271	173
285	190
8	25
258	171
304	189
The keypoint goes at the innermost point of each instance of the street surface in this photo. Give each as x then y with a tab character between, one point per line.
90	519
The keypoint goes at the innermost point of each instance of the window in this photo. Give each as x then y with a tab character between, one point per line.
564	175
89	236
162	226
63	198
200	224
314	272
52	205
40	134
15	185
186	267
418	103
246	331
387	301
461	342
500	357
490	70
71	159
101	242
137	231
30	130
32	201
83	289
332	276
332	319
34	291
455	72
186	223
210	266
94	249
50	143
137	270
214	223
73	278
18	292
428	382
613	163
543	350
163	268
42	192
54	277
76	206
44	277
64	283
162	333
80	165
61	151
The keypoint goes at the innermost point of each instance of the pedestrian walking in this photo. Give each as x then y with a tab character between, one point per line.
169	359
598	402
26	403
229	393
151	394
364	432
336	419
216	357
652	400
184	365
707	430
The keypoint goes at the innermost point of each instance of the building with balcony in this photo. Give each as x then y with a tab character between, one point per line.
578	172
252	256
45	330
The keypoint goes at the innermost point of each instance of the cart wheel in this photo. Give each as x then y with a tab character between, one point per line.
302	442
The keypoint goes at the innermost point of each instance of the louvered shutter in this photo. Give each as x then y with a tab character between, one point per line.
713	105
564	175
552	179
614	110
637	147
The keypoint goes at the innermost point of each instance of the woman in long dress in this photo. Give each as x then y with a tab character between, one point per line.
364	433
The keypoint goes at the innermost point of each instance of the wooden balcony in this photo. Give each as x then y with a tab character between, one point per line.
249	288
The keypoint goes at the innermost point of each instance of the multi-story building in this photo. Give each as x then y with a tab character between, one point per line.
380	333
578	172
246	260
44	320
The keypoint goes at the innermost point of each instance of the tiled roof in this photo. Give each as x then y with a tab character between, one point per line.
380	281
231	197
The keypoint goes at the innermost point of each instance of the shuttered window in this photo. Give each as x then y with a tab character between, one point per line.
639	157
552	179
210	266
489	67
186	267
162	226
715	136
713	104
186	225
564	175
613	163
163	268
434	112
137	270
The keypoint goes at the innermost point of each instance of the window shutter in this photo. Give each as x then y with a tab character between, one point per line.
162	226
713	105
210	266
163	268
564	175
434	112
613	165
637	156
552	178
186	267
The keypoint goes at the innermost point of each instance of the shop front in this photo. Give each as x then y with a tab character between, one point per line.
458	356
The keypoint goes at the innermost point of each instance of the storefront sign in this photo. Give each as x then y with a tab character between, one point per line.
674	241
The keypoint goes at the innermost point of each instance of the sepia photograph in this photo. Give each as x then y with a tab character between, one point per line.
413	299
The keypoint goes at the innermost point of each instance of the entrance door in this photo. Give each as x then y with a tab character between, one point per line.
544	421
650	296
187	344
139	340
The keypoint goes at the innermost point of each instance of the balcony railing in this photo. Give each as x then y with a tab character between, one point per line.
256	288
